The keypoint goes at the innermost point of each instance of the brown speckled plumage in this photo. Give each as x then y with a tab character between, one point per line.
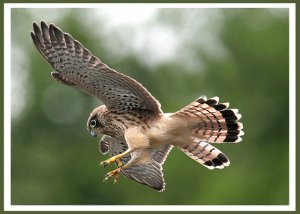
137	134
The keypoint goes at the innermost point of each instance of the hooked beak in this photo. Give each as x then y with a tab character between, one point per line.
93	133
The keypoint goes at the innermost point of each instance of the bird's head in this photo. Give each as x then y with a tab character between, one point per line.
95	123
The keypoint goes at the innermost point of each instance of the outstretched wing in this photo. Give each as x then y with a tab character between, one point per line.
150	173
76	66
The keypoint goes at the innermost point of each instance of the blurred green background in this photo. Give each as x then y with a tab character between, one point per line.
240	55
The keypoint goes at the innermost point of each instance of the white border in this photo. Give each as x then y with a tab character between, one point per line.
7	113
7	109
292	106
153	5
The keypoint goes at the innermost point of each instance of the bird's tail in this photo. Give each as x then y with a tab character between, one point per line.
206	154
211	121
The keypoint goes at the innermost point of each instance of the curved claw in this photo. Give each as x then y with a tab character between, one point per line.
116	158
104	163
114	173
108	161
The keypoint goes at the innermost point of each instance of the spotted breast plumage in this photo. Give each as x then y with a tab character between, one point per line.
137	134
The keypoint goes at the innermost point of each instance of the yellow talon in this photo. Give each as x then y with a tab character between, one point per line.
114	173
119	163
108	161
115	158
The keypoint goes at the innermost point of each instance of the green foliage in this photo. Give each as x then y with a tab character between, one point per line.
55	160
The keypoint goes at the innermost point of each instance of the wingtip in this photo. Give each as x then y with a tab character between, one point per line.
36	28
51	25
44	26
35	24
43	23
32	35
35	41
162	188
59	33
209	167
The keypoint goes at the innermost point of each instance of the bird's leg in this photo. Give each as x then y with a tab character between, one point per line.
114	158
119	163
116	172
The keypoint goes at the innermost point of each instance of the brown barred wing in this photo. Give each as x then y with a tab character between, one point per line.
76	66
147	173
114	147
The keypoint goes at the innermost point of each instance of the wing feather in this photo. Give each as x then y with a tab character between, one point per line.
150	173
76	66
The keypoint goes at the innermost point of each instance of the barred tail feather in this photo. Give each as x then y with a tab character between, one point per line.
212	121
206	154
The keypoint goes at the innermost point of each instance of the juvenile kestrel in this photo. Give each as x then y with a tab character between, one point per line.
138	135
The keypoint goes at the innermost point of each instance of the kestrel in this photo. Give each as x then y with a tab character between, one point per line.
137	134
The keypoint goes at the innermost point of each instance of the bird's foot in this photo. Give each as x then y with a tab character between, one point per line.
115	173
108	161
116	158
119	163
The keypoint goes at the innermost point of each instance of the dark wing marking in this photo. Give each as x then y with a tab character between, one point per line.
149	174
76	66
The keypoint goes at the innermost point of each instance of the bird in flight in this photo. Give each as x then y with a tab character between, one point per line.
136	132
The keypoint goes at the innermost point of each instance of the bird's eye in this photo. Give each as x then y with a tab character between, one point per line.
93	123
